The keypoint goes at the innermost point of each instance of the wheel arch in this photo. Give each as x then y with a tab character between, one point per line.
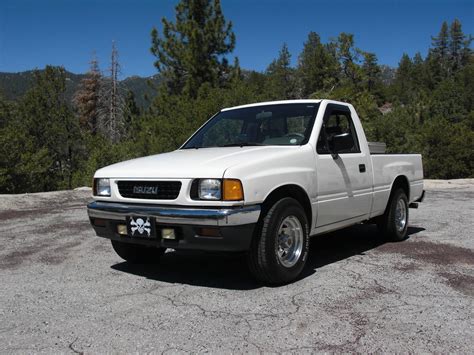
289	190
401	181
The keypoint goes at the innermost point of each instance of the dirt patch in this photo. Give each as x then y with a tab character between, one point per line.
38	212
59	254
49	253
15	214
449	184
65	228
409	267
460	282
433	253
17	257
77	227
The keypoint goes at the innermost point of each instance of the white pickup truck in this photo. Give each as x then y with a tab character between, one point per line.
259	178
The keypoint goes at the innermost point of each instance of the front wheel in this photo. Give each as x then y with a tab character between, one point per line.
137	254
281	242
394	222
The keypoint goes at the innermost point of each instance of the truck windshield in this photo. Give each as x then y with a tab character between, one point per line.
278	124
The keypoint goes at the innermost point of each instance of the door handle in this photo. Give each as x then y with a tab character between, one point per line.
362	168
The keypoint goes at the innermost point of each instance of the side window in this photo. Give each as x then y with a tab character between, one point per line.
337	122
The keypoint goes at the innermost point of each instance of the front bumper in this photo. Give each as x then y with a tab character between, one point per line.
235	225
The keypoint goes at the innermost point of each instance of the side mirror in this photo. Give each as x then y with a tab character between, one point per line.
341	142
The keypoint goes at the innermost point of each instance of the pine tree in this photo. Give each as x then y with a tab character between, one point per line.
418	75
47	134
403	79
317	67
111	119
5	112
371	71
349	56
236	72
132	112
438	59
281	76
9	157
87	97
191	50
440	44
459	44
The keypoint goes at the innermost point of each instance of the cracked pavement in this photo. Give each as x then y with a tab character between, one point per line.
65	290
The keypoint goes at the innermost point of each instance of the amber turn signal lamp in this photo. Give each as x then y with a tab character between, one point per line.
98	222
209	232
233	190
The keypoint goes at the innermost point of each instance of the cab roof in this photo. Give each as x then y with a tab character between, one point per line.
281	102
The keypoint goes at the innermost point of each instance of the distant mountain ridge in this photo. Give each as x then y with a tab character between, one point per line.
14	85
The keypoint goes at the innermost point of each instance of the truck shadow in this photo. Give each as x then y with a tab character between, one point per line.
229	270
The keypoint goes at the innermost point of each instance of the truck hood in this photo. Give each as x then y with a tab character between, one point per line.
192	163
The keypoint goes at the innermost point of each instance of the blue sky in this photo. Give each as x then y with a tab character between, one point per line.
34	33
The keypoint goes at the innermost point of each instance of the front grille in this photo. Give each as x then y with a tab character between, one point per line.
151	190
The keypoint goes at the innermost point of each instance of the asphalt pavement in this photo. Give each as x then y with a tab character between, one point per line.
62	289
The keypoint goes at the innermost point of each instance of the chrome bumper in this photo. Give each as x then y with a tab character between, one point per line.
174	215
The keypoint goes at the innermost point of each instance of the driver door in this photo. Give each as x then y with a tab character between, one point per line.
344	184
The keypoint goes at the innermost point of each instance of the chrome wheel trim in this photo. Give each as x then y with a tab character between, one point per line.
400	215
290	241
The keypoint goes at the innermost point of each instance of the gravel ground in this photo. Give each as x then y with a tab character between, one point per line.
64	290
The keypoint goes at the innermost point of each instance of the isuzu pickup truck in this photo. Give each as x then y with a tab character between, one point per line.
261	179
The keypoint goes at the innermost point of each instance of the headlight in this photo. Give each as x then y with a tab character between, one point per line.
209	189
102	187
217	190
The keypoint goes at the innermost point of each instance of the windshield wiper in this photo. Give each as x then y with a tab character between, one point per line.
242	144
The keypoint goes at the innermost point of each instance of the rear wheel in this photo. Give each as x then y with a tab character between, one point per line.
280	245
394	223
137	254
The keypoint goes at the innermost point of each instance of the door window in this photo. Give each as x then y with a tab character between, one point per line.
338	121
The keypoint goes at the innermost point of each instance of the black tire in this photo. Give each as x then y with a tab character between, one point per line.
137	254
263	260
387	223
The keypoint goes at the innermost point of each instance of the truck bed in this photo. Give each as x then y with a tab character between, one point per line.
385	167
